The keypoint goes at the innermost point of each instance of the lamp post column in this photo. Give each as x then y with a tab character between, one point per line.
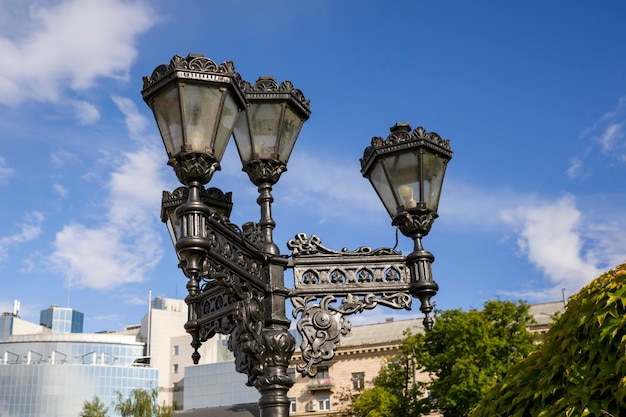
267	224
275	382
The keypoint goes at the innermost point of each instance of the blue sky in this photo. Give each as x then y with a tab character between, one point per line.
531	94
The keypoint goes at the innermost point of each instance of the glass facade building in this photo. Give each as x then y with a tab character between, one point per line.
60	390
62	320
53	374
216	384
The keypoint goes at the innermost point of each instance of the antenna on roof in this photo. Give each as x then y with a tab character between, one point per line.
69	290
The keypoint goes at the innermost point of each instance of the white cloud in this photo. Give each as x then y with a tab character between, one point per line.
136	123
550	235
329	187
5	172
63	157
609	241
570	241
60	190
86	113
468	206
30	229
609	136
126	245
69	45
608	131
135	186
575	168
30	264
134	300
103	258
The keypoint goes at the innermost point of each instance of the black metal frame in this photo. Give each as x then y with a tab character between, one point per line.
236	274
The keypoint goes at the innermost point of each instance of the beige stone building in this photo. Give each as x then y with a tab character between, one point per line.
358	360
544	314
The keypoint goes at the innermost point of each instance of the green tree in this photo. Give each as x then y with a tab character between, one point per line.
464	356
378	402
580	368
94	408
142	403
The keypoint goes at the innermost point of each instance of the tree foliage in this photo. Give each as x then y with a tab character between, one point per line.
580	368
379	401
94	408
142	403
464	355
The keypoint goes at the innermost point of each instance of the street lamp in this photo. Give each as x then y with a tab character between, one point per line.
265	137
407	171
236	274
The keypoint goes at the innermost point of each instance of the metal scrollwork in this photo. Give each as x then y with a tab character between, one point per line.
189	166
252	232
320	328
301	245
330	285
415	222
355	304
230	271
266	170
248	338
321	324
232	250
280	345
223	325
243	363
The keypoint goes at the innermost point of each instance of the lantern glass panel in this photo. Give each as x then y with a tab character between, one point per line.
201	107
433	169
290	129
380	182
404	175
166	108
241	132
230	113
173	226
264	120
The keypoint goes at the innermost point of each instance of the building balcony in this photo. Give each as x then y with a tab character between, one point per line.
321	384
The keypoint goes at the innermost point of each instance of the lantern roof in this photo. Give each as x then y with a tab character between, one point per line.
400	139
267	88
193	67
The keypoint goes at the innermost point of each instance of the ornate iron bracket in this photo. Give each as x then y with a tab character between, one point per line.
330	285
232	299
231	271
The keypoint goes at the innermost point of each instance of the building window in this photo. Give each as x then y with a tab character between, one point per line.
291	373
175	368
292	405
358	380
323	403
175	350
322	373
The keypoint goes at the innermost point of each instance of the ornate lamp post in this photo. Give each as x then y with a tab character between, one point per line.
407	171
236	275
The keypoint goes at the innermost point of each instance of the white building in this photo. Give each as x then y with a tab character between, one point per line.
169	347
47	371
